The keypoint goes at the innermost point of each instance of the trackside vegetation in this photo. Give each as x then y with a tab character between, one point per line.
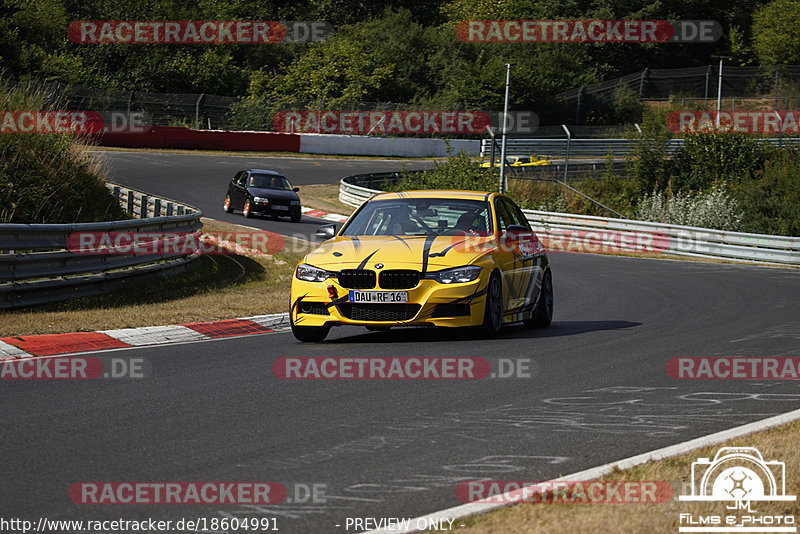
48	178
717	180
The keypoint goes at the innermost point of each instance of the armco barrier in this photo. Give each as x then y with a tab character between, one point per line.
179	137
678	240
47	272
362	145
594	148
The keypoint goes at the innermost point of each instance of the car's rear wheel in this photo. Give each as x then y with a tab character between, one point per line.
493	311
228	207
296	218
246	210
310	334
543	314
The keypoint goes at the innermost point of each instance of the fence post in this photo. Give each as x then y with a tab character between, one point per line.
566	159
143	207
197	112
776	87
641	82
157	207
131	202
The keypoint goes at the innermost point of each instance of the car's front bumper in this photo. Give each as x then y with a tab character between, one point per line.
274	209
430	303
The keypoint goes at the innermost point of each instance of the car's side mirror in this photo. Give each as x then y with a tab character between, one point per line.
325	232
296	189
516	229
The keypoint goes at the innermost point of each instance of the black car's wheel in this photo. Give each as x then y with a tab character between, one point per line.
310	334
493	313
543	314
246	210
296	218
227	206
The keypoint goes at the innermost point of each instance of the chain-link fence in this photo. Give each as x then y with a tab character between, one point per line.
743	88
594	110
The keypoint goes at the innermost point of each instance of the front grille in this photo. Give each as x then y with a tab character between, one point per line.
357	279
399	279
379	312
279	201
450	310
314	308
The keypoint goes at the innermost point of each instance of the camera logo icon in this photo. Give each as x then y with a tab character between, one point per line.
738	474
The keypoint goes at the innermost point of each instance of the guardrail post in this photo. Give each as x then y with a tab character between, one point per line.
115	192
170	208
157	207
180	210
131	201
143	207
566	159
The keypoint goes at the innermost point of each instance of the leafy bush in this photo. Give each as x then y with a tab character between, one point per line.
715	208
772	198
48	178
709	157
458	172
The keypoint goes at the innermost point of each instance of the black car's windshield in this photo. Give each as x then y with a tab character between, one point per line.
269	181
421	216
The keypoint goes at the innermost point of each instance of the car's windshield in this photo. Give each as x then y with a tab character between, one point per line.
269	181
421	216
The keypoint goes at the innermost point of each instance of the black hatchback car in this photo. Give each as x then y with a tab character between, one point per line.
259	191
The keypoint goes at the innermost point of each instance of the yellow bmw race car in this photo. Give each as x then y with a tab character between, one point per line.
520	161
424	258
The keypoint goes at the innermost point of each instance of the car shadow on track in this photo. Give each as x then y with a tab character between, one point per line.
515	331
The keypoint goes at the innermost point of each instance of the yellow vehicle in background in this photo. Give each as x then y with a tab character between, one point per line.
520	161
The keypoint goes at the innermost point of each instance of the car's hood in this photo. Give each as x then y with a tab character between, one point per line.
273	193
423	253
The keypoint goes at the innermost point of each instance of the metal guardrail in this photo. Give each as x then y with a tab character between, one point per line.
671	238
595	148
47	271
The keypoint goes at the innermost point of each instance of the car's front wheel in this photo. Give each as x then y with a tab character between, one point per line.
246	210
543	314
310	334
228	207
296	218
493	311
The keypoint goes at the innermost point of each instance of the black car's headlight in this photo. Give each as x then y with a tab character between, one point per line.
459	275
261	200
294	202
309	273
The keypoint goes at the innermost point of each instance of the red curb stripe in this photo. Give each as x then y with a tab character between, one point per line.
317	213
50	344
231	327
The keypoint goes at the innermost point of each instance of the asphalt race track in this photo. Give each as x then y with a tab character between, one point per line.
597	392
202	180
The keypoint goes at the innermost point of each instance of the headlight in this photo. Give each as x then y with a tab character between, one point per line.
294	202
459	275
261	200
312	274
